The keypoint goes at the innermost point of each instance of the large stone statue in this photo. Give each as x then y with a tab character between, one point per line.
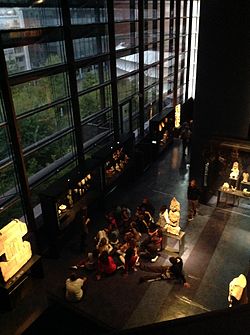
174	217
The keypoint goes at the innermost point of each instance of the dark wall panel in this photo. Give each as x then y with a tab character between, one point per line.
223	82
222	102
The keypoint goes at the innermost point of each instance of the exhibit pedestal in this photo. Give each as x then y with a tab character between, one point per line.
17	286
180	242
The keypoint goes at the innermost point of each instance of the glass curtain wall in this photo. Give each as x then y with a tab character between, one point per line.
58	67
127	63
89	23
183	50
194	48
10	200
34	49
151	58
169	53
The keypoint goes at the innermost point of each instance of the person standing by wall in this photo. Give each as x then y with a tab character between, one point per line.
82	221
186	139
193	195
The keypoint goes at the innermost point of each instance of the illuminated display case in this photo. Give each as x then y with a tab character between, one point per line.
116	160
162	128
62	200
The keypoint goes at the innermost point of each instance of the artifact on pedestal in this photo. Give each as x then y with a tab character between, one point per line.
174	217
225	187
246	192
245	176
235	171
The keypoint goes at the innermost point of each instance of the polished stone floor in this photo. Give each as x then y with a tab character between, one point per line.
216	250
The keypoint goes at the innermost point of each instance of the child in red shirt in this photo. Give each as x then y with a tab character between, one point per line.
106	265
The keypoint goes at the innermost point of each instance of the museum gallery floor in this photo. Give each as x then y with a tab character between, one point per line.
216	249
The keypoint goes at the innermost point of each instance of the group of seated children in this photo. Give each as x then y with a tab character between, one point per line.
126	240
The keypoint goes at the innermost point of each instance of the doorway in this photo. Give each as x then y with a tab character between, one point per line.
126	117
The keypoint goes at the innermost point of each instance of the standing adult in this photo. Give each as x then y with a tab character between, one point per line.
82	222
147	206
193	195
186	139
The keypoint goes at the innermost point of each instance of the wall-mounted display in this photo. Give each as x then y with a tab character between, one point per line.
116	160
161	128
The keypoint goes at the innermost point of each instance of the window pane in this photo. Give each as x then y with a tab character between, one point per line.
127	87
97	128
168	85
168	100
182	60
150	111
126	35
35	191
8	183
167	8
151	56
39	92
151	76
151	94
13	211
4	143
41	125
88	11
122	11
49	154
92	75
26	58
90	46
2	116
30	17
108	96
135	105
151	31
90	103
169	67
150	10
127	64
